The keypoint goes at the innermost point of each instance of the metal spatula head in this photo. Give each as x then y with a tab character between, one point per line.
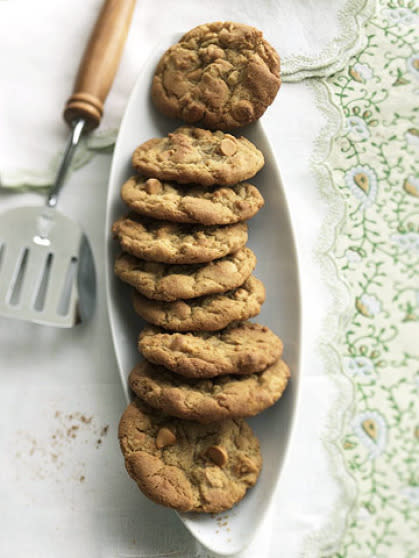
47	272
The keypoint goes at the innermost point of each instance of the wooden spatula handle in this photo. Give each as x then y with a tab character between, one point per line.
100	62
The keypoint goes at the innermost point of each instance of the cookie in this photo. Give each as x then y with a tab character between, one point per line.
208	313
241	348
170	201
168	282
209	400
196	156
189	466
219	75
177	243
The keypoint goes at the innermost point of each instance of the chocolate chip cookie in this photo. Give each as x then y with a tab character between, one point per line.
209	400
207	313
220	75
196	156
177	243
168	282
241	348
219	205
189	466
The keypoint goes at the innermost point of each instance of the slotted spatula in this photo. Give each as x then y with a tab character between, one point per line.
47	272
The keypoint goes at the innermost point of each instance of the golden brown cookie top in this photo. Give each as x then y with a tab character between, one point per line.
219	75
212	399
241	348
171	282
169	201
206	313
185	465
195	156
178	243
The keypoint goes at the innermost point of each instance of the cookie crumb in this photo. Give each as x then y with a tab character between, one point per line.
104	430
49	454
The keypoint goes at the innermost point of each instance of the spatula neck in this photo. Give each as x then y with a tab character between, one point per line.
73	141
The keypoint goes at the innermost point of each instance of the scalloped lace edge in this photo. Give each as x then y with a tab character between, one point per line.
327	539
349	40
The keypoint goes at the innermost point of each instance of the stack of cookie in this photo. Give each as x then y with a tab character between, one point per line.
184	439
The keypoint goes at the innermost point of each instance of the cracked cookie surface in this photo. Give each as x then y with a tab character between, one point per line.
220	75
241	348
170	201
168	282
185	465
208	313
209	400
195	156
177	243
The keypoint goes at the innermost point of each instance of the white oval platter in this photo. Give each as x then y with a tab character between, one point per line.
271	238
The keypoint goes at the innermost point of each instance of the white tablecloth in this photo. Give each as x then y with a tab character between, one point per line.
64	490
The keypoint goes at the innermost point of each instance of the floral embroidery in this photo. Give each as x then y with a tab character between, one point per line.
399	16
371	429
408	242
411	185
372	164
413	65
358	366
412	136
357	128
361	72
363	184
412	494
368	305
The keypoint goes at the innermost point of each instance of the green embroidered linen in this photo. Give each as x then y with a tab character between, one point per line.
372	165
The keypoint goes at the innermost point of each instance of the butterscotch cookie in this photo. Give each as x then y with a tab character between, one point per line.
219	205
220	75
196	156
241	348
168	282
208	313
161	241
189	466
212	399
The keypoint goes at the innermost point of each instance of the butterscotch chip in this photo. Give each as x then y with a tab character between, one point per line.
165	437
241	348
171	282
151	186
217	454
228	147
182	475
207	313
221	75
194	156
161	241
218	205
209	400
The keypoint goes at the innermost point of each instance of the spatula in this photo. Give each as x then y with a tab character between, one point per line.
47	272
